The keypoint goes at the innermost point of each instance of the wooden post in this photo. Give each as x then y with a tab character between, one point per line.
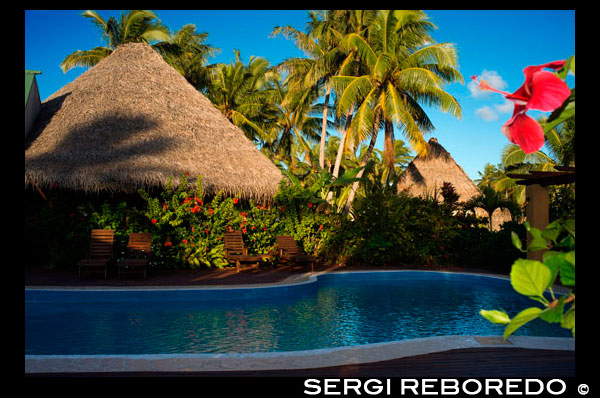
537	213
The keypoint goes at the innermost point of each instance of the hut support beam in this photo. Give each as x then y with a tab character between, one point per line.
537	213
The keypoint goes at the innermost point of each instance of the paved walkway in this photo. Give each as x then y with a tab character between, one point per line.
41	277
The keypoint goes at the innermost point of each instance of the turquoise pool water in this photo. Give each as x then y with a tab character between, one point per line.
341	309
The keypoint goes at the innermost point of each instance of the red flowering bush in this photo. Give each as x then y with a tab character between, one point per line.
188	230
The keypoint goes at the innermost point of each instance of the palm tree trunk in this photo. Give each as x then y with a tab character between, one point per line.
388	146
364	162
324	128
340	153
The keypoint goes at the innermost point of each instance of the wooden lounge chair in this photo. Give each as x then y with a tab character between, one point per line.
100	251
291	254
236	252
138	255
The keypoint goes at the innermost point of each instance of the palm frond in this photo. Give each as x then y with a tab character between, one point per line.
351	91
86	59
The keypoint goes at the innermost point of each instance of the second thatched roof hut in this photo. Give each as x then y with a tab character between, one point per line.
426	175
132	121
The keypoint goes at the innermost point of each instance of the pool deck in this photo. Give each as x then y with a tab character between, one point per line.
458	356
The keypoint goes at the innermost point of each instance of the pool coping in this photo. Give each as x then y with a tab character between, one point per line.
305	359
308	359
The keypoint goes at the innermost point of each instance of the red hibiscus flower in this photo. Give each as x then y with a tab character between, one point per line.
310	205
168	244
542	91
154	221
184	240
235	201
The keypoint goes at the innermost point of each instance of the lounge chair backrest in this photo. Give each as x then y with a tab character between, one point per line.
234	243
140	243
287	244
101	243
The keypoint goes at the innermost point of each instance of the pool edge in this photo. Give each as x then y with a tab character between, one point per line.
308	359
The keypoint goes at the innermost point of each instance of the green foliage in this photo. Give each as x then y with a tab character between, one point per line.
534	278
186	231
134	26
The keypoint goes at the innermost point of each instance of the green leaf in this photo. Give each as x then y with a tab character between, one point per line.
568	321
553	260
530	277
552	231
567	242
570	257
569	226
569	66
554	315
538	242
495	316
520	319
567	271
560	114
516	241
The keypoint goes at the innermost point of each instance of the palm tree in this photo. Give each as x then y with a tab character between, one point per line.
135	26
490	175
325	59
490	200
241	92
402	72
186	52
292	122
357	22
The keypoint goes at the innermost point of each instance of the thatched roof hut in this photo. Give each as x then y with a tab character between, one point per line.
425	175
132	121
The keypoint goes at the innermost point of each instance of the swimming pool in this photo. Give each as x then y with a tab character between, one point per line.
328	311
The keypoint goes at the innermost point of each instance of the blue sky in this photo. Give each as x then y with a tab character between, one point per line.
496	44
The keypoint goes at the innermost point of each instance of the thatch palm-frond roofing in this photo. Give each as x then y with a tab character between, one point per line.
132	121
425	176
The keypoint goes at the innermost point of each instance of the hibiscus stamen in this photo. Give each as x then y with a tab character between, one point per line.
484	85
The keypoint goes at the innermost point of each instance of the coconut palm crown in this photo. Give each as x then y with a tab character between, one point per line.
135	26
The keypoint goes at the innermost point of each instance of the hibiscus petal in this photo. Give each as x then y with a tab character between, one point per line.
548	92
530	71
518	110
525	132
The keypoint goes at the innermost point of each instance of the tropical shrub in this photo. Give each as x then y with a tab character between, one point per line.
186	231
533	278
304	214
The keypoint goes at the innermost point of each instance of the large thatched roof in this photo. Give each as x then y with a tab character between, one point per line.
425	175
132	121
